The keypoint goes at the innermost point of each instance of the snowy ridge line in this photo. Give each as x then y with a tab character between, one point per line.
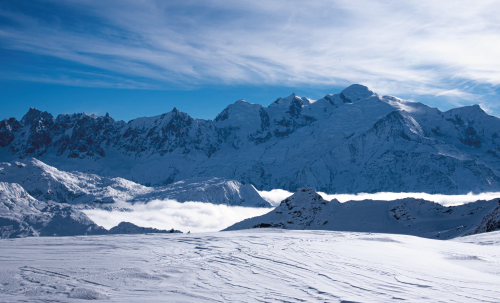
306	209
351	142
47	183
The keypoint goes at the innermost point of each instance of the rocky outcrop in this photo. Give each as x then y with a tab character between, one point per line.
490	222
130	228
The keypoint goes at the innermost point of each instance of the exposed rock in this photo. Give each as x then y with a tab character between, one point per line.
129	228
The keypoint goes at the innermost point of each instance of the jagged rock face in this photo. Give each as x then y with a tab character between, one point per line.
308	210
354	141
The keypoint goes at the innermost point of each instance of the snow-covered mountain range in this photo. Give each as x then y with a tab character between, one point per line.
306	209
354	141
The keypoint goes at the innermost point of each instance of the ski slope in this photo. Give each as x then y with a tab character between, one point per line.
251	266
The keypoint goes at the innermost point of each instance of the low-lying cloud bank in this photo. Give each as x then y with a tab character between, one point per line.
167	214
275	197
207	217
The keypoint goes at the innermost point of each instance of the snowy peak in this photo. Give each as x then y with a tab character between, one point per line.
288	101
303	197
33	115
239	114
355	93
471	110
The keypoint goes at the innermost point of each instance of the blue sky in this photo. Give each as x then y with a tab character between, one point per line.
142	58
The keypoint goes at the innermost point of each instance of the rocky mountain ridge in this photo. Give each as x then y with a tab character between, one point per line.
354	141
307	210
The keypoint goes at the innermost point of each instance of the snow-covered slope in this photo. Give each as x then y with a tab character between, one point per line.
21	215
47	183
354	141
308	210
251	266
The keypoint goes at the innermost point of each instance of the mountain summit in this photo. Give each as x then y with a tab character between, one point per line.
354	141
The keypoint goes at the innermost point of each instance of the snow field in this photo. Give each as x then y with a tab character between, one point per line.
251	266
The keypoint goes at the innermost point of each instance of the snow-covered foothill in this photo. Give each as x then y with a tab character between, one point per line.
212	190
47	183
21	215
306	209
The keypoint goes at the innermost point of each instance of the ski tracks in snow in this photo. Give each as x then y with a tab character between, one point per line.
250	266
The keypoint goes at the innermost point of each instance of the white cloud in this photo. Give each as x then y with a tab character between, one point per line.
457	93
400	47
187	216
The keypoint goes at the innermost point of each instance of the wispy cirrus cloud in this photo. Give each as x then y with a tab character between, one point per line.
422	48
